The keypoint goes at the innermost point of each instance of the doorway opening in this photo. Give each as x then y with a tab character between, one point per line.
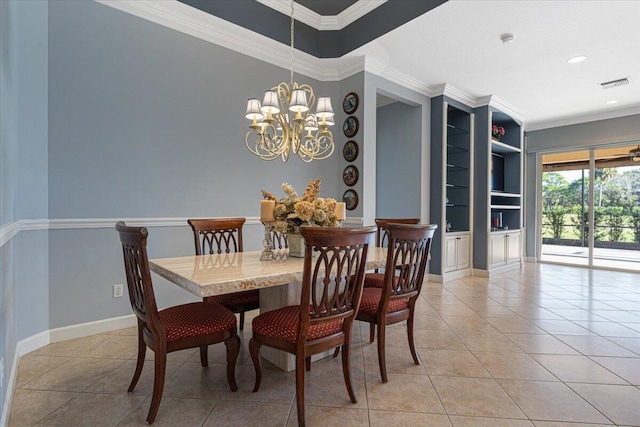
591	208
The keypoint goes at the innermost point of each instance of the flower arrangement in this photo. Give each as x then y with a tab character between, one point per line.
293	211
497	132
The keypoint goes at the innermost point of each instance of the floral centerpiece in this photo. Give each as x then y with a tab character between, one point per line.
497	132
293	211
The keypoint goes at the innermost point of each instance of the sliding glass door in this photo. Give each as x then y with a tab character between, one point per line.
593	222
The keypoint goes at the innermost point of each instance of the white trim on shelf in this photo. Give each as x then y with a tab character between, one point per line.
505	207
502	148
499	194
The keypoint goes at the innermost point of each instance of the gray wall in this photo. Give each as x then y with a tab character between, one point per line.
24	298
355	84
398	167
565	138
372	86
149	122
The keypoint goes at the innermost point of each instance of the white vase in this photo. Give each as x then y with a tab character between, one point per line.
296	245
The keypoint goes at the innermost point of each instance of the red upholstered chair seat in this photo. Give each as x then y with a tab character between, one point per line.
195	319
374	280
237	298
282	324
371	300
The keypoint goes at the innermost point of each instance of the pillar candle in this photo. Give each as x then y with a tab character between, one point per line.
341	211
267	210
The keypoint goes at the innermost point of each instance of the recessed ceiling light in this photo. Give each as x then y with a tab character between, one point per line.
576	59
507	38
613	101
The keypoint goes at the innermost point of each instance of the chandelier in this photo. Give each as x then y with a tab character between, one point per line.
283	123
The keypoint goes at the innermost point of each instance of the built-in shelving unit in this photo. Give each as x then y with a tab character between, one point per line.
498	204
452	130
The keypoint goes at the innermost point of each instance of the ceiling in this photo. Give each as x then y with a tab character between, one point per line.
430	43
458	43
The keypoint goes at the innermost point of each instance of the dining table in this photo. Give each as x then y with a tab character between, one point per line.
279	281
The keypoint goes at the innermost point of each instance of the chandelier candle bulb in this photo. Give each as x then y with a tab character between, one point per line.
341	211
267	210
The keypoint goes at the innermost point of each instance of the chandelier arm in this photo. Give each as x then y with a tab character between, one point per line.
257	148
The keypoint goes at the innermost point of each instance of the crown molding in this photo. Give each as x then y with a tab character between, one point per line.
324	23
395	76
188	20
499	104
573	120
300	12
453	92
357	11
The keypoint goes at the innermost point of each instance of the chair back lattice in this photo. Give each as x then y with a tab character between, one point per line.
409	247
216	236
136	266
333	277
382	238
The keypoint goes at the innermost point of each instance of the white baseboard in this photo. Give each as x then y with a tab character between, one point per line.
435	278
41	339
480	273
32	343
92	328
531	259
11	384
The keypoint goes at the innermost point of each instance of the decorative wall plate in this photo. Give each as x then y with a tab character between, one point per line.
350	126
350	175
350	198
350	103
350	151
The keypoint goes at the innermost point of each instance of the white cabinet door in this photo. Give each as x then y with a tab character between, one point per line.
463	251
450	252
498	249
513	247
457	252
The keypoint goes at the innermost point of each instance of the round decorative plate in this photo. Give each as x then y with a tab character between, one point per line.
350	175
350	126
350	151
350	198
350	103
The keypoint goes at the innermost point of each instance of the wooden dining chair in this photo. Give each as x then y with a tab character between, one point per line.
224	235
376	279
328	305
409	247
382	240
194	325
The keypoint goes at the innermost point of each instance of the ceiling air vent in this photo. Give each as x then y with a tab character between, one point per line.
615	83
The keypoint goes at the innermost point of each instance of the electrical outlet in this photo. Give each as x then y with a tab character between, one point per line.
118	290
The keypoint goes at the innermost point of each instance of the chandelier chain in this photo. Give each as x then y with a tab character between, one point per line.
292	39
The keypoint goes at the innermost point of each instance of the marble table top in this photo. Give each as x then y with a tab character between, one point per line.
208	275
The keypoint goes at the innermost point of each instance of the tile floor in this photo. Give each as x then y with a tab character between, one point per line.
544	346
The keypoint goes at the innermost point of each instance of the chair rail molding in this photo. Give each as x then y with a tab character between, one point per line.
9	231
